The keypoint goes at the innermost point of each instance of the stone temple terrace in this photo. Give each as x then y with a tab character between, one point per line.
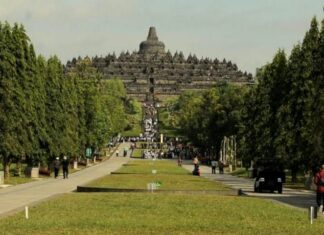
152	74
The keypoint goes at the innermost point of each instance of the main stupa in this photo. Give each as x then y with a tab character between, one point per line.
152	45
153	74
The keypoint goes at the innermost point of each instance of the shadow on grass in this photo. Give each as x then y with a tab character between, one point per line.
83	189
131	164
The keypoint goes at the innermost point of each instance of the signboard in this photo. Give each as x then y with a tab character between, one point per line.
88	152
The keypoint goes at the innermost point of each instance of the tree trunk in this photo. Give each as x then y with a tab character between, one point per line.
6	167
294	175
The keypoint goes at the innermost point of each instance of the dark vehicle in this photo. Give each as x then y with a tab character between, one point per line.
269	176
269	179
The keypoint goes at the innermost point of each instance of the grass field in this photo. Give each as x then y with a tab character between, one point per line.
137	153
13	179
144	213
135	131
155	213
138	174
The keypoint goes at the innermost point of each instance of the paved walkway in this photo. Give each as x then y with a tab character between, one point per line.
15	198
298	198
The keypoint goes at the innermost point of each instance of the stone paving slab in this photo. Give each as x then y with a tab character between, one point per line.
15	198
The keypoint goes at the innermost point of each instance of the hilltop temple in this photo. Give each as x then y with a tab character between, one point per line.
153	74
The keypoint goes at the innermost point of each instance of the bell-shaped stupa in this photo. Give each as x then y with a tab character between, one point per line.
152	45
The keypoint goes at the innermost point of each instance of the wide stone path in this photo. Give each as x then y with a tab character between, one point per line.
298	198
15	198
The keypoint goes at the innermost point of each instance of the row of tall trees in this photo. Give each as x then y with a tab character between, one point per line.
46	111
281	116
284	113
206	117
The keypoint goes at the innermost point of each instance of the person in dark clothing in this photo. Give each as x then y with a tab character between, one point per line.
125	152
56	165
213	165
319	181
65	166
196	170
221	167
195	162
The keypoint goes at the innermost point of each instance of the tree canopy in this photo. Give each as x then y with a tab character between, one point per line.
47	111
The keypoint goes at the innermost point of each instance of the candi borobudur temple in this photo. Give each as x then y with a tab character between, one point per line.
153	74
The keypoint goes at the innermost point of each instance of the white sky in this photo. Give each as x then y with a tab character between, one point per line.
247	32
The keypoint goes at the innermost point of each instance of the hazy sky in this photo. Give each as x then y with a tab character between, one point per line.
247	32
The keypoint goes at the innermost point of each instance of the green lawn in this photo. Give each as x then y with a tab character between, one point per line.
240	172
135	123
146	166
14	180
137	153
145	213
156	213
135	131
137	174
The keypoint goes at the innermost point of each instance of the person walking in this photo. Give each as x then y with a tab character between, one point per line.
56	165
213	166
319	181
196	170
195	161
179	160
117	153
180	157
65	166
125	151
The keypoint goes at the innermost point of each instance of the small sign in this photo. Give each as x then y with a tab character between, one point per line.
88	152
161	138
151	187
